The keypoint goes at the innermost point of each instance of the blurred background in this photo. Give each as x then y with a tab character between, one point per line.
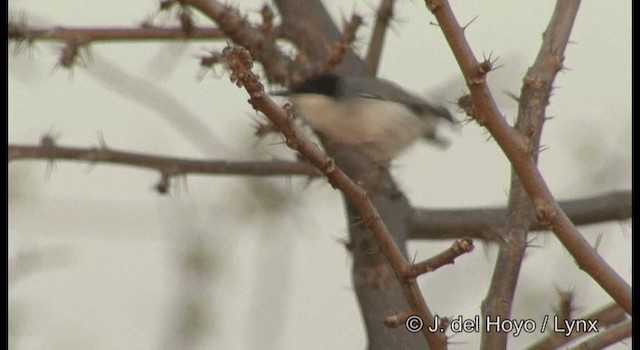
99	260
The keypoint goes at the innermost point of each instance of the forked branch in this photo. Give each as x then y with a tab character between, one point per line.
485	112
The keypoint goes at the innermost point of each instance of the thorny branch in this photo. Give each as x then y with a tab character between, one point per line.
607	317
170	166
488	223
236	27
240	63
482	223
459	247
309	27
608	337
278	67
374	50
85	35
486	113
342	46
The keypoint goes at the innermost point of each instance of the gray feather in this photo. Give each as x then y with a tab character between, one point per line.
381	89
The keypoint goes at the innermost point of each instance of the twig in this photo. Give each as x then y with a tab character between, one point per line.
609	337
486	113
278	67
531	116
482	223
458	248
374	51
166	165
609	316
342	46
239	61
308	25
84	35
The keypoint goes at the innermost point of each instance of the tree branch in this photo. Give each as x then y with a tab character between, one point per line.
609	337
607	317
168	166
531	116
482	223
485	111
341	48
459	247
85	35
307	24
240	63
488	223
374	51
278	67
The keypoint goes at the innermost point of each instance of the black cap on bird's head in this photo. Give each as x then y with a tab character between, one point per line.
323	84
339	88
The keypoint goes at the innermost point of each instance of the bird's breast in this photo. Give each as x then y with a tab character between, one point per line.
381	128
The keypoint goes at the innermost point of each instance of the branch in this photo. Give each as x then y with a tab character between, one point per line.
374	52
308	25
488	223
608	317
239	61
609	337
341	48
531	116
278	67
483	223
168	166
485	111
459	247
85	35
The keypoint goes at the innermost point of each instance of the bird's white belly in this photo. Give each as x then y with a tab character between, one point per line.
381	129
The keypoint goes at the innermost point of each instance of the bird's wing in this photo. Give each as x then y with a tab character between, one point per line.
381	89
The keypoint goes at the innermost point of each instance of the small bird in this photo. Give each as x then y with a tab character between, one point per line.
375	115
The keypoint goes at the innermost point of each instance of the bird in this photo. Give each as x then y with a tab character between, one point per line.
374	115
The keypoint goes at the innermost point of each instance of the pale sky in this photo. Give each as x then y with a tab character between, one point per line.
109	267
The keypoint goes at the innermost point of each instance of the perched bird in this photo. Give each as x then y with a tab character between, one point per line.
375	115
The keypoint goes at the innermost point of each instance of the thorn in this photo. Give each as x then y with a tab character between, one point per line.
147	22
85	52
277	143
101	143
184	184
465	104
565	303
485	66
163	185
512	95
49	138
542	148
596	245
464	28
68	54
530	244
565	68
